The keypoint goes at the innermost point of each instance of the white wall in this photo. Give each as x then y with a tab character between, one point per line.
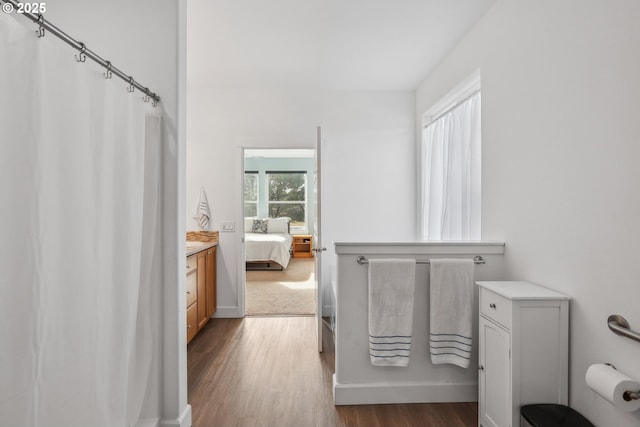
148	44
369	172
560	136
368	168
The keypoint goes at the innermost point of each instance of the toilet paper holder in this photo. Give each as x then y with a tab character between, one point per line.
631	395
627	395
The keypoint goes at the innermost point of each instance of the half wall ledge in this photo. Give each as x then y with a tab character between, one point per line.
471	247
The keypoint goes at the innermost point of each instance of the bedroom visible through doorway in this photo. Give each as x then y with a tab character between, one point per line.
279	222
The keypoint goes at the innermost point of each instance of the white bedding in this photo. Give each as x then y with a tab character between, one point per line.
268	247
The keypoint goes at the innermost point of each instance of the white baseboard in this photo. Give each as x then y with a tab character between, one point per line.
377	393
183	421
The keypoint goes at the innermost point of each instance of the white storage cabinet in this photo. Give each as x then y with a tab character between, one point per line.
523	352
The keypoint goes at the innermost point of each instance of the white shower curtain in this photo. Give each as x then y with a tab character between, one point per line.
79	159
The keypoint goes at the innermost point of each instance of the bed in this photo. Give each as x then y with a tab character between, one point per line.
267	243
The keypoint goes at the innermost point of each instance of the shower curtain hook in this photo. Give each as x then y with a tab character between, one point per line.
108	74
82	57
131	87
146	96
40	30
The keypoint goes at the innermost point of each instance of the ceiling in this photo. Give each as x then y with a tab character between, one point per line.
324	44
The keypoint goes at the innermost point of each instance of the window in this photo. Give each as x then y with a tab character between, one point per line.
287	196
450	208
251	194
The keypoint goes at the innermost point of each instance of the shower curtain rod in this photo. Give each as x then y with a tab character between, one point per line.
85	52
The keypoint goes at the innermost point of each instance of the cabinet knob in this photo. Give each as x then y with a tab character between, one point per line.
188	326
188	293
481	368
492	305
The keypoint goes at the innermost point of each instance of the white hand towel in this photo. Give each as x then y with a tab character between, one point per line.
202	213
391	286
451	311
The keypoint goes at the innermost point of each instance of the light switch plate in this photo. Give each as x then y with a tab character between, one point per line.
228	226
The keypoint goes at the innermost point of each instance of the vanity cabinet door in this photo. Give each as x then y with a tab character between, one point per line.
192	322
211	290
495	375
192	280
202	283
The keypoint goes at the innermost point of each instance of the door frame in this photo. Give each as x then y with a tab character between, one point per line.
242	276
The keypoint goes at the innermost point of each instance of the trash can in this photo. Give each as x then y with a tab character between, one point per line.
551	415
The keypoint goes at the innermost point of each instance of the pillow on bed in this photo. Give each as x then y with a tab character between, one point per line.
260	226
278	225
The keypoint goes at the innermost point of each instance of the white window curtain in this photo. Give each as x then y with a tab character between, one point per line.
79	164
451	174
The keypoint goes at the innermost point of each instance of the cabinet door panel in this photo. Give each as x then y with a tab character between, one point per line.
211	281
192	285
495	375
192	322
202	300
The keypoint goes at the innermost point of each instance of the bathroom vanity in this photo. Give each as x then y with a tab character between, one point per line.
201	283
523	352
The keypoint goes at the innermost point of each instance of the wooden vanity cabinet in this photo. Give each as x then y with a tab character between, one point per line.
201	290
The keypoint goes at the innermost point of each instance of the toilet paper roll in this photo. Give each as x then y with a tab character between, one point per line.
611	384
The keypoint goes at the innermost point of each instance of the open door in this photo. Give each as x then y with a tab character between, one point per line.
317	238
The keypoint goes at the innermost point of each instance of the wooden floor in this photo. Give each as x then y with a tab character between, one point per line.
266	371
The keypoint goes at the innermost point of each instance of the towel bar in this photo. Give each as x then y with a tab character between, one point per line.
476	259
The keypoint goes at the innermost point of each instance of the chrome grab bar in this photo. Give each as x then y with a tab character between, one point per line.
620	326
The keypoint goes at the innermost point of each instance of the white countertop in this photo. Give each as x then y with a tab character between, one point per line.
517	290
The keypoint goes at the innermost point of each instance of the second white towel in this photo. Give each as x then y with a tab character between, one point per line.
391	288
451	311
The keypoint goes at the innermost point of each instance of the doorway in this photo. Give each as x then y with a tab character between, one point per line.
279	219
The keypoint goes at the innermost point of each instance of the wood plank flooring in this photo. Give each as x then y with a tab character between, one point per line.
266	371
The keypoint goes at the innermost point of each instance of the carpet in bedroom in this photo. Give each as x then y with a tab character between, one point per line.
288	292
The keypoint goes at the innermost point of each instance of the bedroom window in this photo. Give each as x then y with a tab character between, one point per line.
451	137
250	194
287	196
